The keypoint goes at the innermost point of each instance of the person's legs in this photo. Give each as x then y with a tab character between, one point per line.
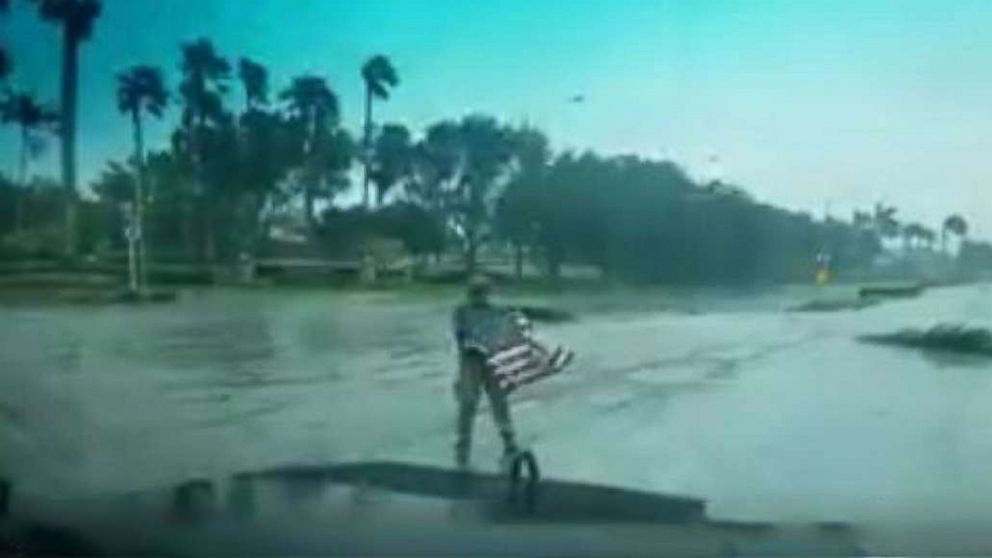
467	387
501	412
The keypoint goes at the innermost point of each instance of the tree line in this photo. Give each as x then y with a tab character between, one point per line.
233	172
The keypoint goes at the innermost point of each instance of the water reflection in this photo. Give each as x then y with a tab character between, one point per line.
949	359
766	414
239	344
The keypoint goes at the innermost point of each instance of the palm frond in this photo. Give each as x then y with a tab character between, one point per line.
380	76
78	16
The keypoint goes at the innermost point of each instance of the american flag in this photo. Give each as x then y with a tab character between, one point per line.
525	360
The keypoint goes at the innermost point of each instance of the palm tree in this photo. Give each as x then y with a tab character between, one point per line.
6	65
916	235
75	17
314	108
205	76
264	149
379	76
885	221
955	224
140	89
911	233
928	237
255	80
30	116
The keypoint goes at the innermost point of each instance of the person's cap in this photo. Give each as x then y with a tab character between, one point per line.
479	284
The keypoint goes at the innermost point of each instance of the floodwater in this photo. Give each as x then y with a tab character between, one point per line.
767	414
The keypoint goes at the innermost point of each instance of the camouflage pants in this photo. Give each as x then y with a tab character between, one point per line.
474	376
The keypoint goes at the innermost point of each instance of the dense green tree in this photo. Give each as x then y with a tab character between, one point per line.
862	220
913	234
324	172
115	187
315	115
484	153
268	151
954	224
227	190
40	202
170	198
392	159
10	194
255	81
265	159
917	235
434	164
411	223
205	82
140	90
6	64
225	176
927	237
519	208
76	19
344	232
577	189
30	218
204	122
31	118
643	220
885	221
425	183
379	77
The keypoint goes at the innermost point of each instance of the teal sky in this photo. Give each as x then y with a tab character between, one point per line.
807	103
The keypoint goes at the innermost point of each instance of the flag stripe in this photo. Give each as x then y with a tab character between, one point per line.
527	361
509	354
516	365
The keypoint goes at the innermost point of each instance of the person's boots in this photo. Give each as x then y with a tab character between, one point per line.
510	451
461	457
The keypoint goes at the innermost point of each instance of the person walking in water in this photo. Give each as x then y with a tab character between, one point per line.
479	326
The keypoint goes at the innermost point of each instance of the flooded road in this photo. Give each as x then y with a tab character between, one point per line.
722	395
